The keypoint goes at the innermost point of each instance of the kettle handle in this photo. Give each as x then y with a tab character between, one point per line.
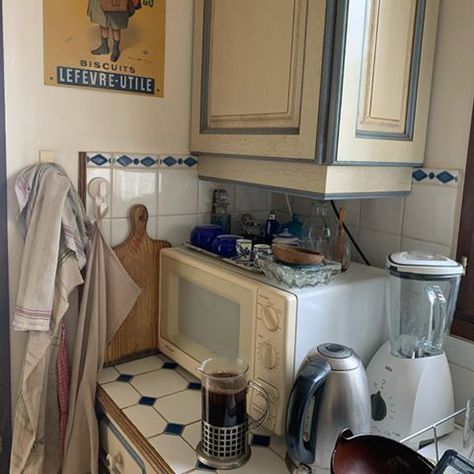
309	382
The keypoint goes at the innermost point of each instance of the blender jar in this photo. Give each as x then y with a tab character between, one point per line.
422	290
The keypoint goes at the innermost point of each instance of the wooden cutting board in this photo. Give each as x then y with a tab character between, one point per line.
140	255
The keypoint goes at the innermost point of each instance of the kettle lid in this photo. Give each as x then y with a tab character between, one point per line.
339	357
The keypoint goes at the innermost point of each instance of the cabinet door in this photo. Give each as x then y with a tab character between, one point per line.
381	100
257	74
116	454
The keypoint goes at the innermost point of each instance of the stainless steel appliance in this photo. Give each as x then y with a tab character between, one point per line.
209	308
409	377
330	394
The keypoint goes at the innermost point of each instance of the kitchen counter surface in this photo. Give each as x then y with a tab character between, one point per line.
163	402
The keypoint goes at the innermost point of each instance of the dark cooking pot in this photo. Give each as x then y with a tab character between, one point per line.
370	454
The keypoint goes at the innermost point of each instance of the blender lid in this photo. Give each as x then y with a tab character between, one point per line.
423	263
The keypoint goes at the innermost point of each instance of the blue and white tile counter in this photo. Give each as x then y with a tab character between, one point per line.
163	401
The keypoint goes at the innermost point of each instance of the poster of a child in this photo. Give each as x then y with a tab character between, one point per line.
115	45
111	15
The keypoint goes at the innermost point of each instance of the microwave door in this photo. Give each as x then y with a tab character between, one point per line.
205	314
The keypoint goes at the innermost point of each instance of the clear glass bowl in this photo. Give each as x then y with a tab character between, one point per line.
299	276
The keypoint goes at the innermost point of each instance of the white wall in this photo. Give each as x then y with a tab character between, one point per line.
453	87
69	120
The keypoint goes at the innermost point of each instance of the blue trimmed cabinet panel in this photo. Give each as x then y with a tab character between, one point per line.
385	82
331	82
116	454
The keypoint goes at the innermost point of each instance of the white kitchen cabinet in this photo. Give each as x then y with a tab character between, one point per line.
314	82
256	80
386	82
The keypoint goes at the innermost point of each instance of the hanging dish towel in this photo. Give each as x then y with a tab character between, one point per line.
56	243
108	296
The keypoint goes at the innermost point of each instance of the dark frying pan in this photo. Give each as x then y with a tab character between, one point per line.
370	454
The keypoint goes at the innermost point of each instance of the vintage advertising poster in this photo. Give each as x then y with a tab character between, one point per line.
116	45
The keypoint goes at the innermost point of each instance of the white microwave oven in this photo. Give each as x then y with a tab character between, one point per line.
209	307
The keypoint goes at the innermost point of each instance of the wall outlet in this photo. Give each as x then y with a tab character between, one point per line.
46	156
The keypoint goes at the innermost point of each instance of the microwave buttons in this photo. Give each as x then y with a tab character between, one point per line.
268	356
270	318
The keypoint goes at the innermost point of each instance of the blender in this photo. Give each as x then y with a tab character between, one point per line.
409	377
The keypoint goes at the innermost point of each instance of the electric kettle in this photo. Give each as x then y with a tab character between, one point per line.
330	394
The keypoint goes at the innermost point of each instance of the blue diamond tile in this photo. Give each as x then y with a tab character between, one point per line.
148	161
170	365
445	177
99	160
124	160
174	429
124	378
261	440
169	161
203	467
149	401
190	161
194	386
419	175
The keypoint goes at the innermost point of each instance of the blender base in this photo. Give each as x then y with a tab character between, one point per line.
408	395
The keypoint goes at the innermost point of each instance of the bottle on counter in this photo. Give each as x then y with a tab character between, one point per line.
271	227
219	214
320	230
295	226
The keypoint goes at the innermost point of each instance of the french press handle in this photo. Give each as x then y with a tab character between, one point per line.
259	389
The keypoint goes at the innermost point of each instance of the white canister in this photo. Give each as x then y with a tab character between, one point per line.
261	250
244	249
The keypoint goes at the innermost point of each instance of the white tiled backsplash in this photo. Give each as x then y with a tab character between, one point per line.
168	186
177	201
426	219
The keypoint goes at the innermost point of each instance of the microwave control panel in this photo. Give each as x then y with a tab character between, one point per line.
272	351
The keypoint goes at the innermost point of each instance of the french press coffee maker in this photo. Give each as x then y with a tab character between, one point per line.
224	421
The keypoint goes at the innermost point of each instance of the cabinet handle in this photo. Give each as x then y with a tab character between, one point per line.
114	463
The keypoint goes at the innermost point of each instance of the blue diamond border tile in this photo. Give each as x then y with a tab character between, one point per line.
445	177
190	161
124	160
438	177
419	175
98	160
169	161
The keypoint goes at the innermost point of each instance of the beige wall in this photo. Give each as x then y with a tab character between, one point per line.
68	120
453	87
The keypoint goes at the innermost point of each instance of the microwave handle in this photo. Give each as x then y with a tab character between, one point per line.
309	383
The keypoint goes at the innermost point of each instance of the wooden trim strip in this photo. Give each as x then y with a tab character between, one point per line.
463	324
463	329
5	401
138	440
82	176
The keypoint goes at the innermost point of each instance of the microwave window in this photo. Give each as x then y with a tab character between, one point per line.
209	319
